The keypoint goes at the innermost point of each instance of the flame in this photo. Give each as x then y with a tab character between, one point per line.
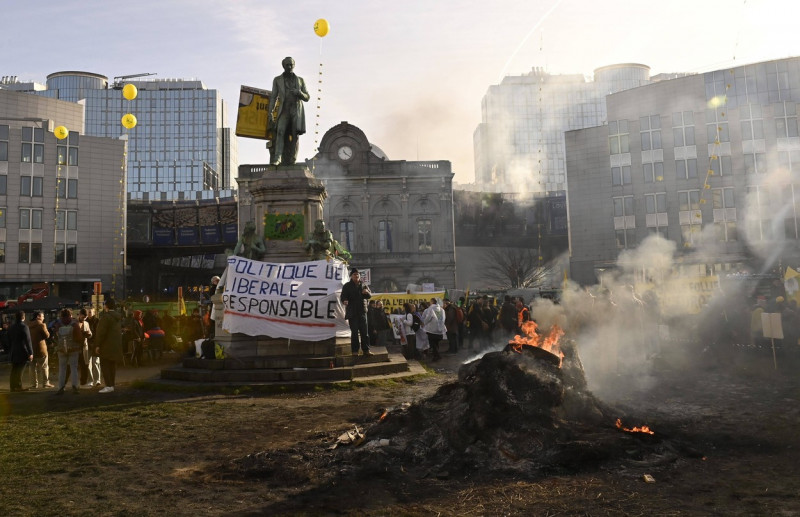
533	338
643	429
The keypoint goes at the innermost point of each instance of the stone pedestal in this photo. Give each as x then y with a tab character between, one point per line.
289	189
282	189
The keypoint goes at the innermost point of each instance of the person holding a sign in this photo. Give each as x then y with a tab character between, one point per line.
354	297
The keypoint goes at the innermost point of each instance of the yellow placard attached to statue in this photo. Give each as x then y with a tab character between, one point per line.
252	120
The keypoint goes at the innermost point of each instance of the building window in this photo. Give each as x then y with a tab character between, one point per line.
686	169
683	128
789	160
624	222
656	203
650	128
32	145
721	165
653	172
689	216
3	143
785	119
2	252
71	217
689	200
724	214
2	217
751	122
717	126
656	209
385	236
30	252
65	258
621	175
760	226
618	137
424	235
24	252
347	234
755	163
71	191
68	154
30	218
25	186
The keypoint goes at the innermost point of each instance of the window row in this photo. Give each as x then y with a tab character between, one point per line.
31	219
754	163
385	228
717	130
31	253
687	200
33	186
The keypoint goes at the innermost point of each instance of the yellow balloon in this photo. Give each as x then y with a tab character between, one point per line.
129	92
129	121
321	27
61	132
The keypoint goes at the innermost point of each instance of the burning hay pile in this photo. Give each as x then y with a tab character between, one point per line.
521	411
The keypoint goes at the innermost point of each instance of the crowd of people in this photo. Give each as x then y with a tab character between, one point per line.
89	347
467	326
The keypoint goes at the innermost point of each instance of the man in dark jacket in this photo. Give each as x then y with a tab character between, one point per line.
19	339
354	298
108	343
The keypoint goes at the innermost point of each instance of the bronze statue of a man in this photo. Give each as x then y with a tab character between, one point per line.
286	114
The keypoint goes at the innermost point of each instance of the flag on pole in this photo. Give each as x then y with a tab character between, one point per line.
181	304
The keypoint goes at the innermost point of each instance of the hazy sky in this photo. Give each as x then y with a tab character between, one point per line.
410	74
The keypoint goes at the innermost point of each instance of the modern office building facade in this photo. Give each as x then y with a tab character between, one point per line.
182	144
710	161
62	202
519	144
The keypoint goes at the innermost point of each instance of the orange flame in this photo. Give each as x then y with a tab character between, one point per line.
643	429
533	338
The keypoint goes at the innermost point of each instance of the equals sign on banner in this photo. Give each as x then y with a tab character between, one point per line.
318	291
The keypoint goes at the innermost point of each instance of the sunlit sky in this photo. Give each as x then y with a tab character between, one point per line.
410	74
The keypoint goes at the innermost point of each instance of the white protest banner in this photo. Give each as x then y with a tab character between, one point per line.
298	300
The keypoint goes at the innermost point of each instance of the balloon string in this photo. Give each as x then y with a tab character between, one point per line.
319	102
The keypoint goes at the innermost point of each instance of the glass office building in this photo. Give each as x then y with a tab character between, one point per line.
519	144
181	147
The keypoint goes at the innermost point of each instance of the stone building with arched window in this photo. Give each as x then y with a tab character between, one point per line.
395	216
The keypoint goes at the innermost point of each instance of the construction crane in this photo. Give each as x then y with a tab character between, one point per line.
118	80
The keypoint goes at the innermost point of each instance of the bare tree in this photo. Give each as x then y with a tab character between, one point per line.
512	268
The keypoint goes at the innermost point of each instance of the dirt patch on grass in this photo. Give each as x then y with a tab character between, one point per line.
139	452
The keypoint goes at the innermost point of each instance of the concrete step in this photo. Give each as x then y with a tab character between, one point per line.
380	355
193	371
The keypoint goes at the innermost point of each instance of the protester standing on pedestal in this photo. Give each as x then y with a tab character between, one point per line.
354	298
